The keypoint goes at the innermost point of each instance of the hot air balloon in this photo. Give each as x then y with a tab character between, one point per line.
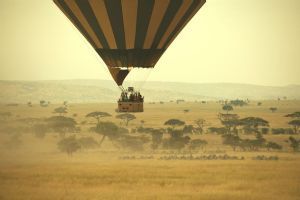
129	34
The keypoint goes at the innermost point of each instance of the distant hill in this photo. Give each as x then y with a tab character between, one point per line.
92	91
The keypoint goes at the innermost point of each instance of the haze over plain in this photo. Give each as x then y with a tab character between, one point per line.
234	41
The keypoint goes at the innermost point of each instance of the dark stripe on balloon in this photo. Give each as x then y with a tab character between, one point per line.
75	21
145	8
145	58
196	5
88	13
114	10
170	13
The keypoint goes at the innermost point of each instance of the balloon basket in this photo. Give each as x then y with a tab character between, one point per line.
131	101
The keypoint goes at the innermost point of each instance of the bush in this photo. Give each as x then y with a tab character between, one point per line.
277	131
295	144
61	124
265	130
176	142
188	129
273	145
110	129
232	140
157	137
217	130
144	130
238	102
197	144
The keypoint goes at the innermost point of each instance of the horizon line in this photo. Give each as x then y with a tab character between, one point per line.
183	82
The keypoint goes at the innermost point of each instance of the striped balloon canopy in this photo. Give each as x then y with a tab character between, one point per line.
129	33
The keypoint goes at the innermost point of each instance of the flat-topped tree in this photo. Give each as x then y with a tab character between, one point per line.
61	124
254	123
110	130
98	115
227	108
295	124
174	123
126	117
230	121
238	102
69	145
293	115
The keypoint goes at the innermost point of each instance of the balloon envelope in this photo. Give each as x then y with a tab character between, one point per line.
129	33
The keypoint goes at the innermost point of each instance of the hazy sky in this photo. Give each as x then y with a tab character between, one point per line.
238	41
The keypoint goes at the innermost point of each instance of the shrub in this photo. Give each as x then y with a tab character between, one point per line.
273	145
197	144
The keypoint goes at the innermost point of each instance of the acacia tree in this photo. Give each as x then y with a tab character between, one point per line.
295	144
230	122
254	123
61	124
126	118
110	130
69	145
295	123
200	124
227	108
294	115
238	102
98	115
176	140
174	123
231	140
273	145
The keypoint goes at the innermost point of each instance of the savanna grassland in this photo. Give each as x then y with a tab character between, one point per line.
33	167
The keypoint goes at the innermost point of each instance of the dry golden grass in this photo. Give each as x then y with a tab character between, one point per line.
113	179
38	171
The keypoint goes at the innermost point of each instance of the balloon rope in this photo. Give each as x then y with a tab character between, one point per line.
121	88
142	83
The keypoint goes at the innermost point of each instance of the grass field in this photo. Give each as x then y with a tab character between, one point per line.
37	170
